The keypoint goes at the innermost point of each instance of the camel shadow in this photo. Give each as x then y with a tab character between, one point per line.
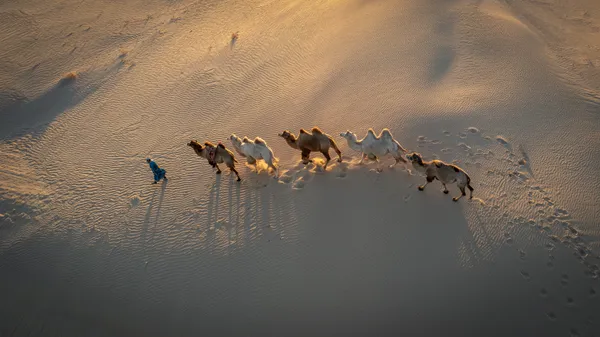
212	212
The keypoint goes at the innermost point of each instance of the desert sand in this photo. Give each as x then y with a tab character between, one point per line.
507	90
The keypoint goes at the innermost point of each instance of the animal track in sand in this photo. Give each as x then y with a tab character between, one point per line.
522	254
551	315
503	141
525	275
464	146
508	239
544	292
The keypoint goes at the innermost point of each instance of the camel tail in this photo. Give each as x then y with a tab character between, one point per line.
469	182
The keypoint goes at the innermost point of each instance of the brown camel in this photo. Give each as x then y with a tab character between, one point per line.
309	142
216	155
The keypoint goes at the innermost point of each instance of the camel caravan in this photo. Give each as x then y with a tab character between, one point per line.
372	147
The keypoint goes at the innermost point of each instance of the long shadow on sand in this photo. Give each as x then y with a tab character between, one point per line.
148	216
19	115
24	115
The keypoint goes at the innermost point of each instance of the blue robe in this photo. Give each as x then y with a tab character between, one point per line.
158	172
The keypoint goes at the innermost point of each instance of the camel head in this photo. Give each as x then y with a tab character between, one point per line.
195	145
287	135
348	135
234	139
415	157
290	139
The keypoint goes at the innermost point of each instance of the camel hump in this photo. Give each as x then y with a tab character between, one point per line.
246	140
437	163
456	169
386	133
221	145
371	131
259	140
303	131
209	144
317	130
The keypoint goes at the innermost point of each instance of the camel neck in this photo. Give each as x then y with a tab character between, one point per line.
292	142
355	144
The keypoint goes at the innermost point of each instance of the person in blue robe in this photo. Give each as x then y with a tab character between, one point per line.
158	172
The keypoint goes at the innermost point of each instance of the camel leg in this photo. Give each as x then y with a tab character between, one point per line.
218	169
236	172
339	153
362	158
275	169
305	156
462	194
379	168
327	157
429	179
445	188
399	159
470	190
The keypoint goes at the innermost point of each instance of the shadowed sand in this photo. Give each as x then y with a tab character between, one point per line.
89	247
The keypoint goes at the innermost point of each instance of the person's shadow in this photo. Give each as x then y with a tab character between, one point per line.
148	216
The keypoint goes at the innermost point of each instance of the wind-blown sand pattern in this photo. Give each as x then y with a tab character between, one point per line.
507	90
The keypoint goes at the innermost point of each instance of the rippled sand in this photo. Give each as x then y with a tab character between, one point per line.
508	90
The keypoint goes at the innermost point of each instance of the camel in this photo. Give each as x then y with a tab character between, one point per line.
309	142
255	150
444	172
373	146
215	155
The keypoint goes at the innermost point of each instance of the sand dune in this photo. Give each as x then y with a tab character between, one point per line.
89	247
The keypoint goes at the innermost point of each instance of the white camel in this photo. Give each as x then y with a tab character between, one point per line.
255	150
373	146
